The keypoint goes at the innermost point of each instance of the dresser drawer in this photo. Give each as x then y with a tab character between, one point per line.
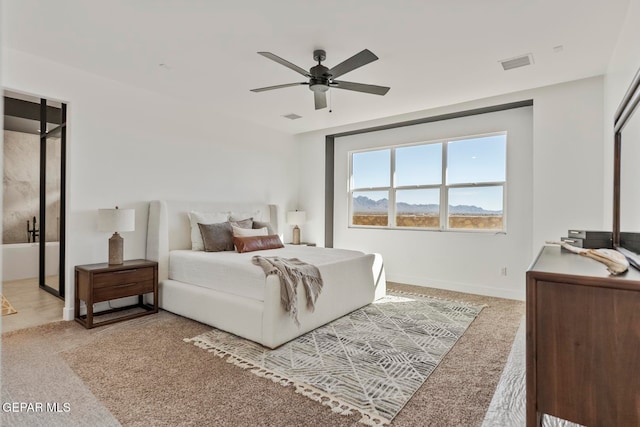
124	289
111	278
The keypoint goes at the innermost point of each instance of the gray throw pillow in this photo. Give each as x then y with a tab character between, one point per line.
243	223
217	237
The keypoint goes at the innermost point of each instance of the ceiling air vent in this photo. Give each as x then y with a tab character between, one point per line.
292	116
519	61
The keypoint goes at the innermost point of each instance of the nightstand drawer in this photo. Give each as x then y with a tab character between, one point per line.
111	278
125	289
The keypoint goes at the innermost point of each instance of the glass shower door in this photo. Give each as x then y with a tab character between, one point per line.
52	173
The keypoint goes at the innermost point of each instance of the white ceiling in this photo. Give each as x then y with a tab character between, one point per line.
432	52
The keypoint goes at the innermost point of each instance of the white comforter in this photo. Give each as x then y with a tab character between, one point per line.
234	273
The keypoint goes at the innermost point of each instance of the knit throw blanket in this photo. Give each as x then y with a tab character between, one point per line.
291	271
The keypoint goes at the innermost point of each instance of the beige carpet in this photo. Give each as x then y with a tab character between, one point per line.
7	308
142	373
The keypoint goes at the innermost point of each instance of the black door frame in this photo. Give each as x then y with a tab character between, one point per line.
44	114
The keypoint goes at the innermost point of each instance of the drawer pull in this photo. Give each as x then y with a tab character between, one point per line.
124	285
125	271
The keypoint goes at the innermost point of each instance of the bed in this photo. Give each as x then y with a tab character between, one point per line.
195	284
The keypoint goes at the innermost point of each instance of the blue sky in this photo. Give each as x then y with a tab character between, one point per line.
474	160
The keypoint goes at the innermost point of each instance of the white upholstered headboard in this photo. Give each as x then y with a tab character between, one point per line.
169	229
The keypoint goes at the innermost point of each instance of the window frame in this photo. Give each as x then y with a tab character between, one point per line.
443	187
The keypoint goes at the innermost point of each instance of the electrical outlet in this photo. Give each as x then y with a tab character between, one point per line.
503	271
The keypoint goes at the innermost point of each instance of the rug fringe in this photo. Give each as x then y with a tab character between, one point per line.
206	346
415	294
337	406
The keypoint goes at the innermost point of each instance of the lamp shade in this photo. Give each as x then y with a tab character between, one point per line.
296	217
114	220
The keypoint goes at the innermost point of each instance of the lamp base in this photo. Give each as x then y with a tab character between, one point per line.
296	235
116	244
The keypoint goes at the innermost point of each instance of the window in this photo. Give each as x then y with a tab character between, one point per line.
408	186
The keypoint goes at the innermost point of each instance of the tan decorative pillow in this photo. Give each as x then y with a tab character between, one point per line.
257	243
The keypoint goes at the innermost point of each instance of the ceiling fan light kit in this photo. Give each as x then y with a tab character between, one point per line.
322	78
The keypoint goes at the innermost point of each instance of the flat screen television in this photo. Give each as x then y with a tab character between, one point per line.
626	180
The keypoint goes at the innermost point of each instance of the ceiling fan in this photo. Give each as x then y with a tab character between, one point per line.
322	78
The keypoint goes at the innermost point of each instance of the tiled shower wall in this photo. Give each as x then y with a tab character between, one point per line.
21	184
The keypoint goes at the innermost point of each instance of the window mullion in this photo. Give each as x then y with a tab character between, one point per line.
476	184
392	189
370	189
350	190
418	187
444	197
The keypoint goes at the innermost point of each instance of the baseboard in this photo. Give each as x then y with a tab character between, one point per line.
67	313
491	291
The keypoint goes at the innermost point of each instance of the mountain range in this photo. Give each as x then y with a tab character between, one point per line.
363	204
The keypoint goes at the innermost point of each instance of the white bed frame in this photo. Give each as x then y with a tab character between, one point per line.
348	286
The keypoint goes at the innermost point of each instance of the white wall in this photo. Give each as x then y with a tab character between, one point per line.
567	159
566	183
127	146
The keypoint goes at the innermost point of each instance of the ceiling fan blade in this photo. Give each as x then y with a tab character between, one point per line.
356	61
360	87
320	99
286	63
262	89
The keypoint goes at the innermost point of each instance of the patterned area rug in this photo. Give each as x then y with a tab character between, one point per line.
370	361
7	308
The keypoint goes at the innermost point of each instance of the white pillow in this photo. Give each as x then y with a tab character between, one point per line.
239	216
249	232
197	244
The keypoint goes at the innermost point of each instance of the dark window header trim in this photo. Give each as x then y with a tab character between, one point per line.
440	117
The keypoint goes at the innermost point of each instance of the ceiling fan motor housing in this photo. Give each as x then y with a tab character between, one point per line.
319	80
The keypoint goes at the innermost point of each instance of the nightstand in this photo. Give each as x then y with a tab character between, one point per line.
103	282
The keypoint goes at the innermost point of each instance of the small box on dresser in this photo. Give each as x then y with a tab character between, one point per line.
589	235
589	239
104	282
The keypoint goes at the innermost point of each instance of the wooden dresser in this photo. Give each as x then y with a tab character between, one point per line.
583	341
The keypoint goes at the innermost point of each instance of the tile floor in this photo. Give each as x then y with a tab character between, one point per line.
35	306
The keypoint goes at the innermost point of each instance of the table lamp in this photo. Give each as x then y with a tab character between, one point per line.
295	218
116	220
